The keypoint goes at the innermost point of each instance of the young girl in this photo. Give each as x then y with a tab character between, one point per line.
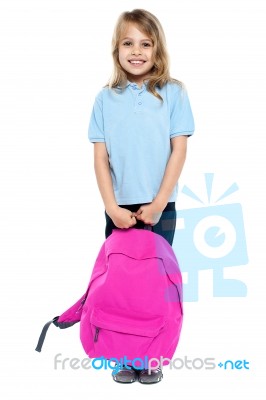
139	126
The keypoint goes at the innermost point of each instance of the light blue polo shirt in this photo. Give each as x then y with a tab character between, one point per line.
136	128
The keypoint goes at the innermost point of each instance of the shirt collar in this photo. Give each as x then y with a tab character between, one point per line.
133	84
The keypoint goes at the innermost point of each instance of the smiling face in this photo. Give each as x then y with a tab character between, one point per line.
136	53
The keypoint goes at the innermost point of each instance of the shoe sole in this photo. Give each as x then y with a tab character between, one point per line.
117	381
151	383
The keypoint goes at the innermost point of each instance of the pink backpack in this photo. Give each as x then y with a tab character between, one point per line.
133	303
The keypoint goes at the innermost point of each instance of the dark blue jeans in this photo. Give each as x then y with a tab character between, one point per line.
165	227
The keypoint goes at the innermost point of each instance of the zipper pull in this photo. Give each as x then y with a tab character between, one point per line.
96	334
81	305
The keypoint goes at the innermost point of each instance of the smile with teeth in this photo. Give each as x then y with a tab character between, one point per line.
137	62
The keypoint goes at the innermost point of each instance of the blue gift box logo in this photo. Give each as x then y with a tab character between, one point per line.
211	237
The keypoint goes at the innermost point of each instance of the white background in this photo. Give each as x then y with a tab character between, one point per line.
55	57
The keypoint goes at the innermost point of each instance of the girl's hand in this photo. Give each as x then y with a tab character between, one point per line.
122	218
149	213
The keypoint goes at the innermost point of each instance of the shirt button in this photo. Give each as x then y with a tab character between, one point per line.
140	102
139	94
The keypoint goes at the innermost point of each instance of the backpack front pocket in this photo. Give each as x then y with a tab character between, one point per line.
119	333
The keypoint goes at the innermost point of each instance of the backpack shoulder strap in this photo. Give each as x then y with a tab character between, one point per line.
61	325
72	315
43	334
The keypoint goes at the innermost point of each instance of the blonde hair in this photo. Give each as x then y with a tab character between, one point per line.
150	25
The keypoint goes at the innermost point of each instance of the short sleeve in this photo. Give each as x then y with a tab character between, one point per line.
181	117
96	124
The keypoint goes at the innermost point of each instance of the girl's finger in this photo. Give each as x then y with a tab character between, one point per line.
133	220
139	211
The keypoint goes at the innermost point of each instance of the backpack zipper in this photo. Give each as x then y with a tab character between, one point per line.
96	334
81	305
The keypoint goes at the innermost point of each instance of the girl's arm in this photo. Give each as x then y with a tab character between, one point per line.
173	171
152	212
121	217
